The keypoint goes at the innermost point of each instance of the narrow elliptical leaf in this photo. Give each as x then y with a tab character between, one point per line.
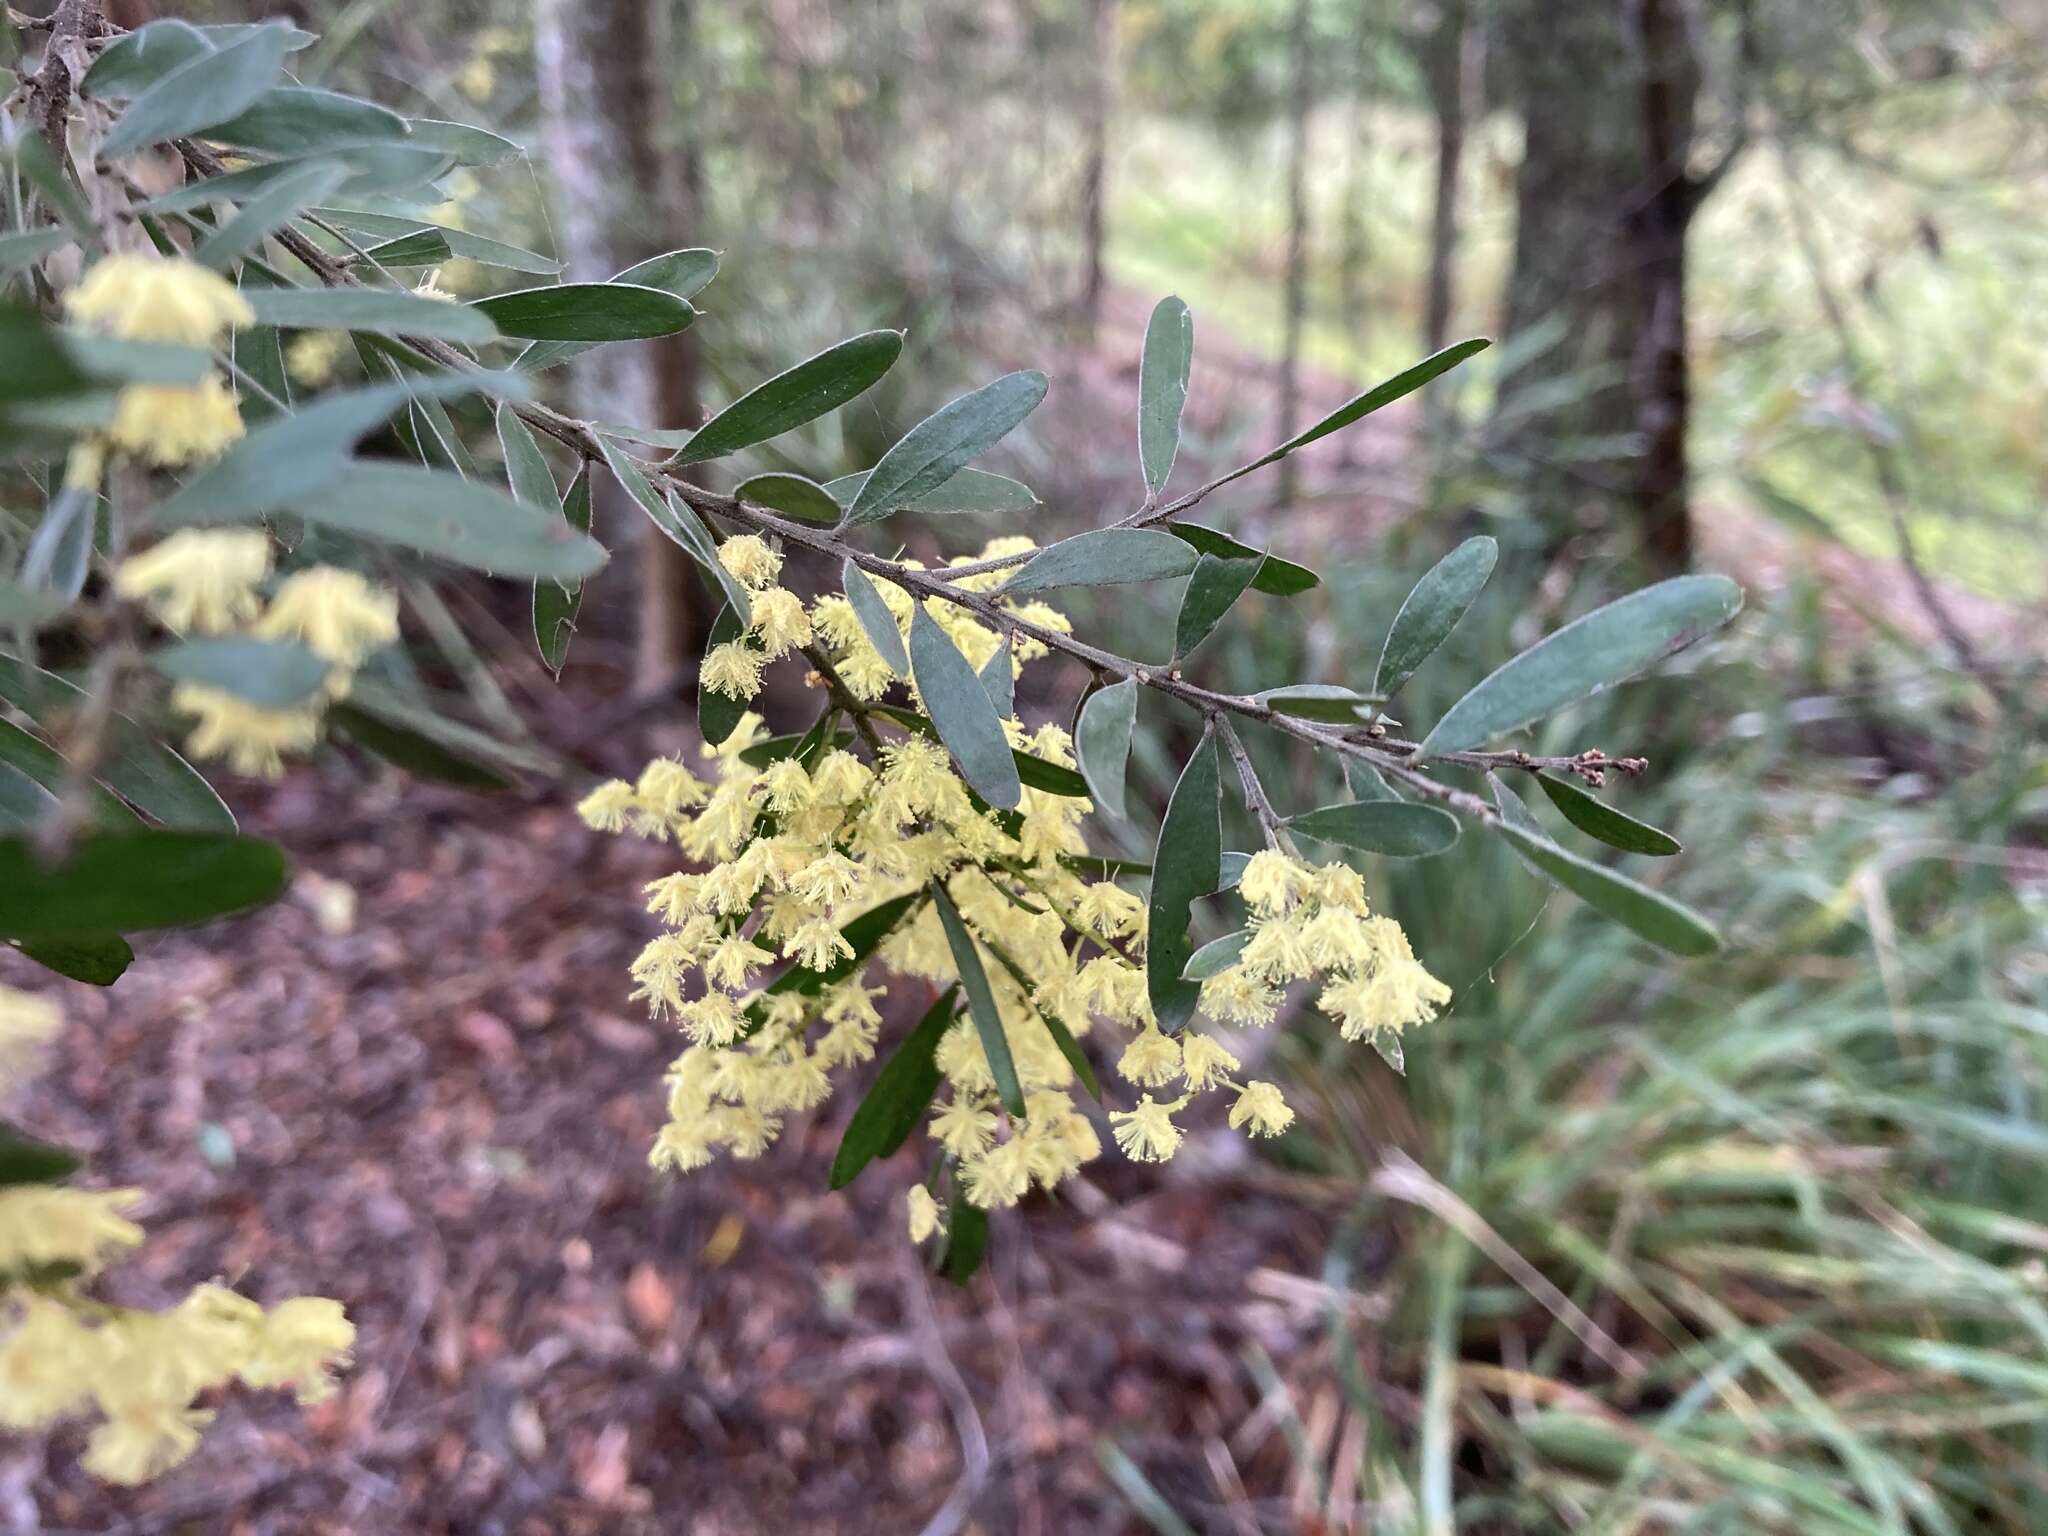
927	456
1187	866
802	394
1163	388
902	1090
1102	742
1607	646
960	708
1596	818
1432	610
875	617
981	1002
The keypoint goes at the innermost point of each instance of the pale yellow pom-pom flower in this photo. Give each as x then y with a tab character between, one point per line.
298	1345
1260	1110
606	807
200	580
1204	1061
47	1363
964	1128
1151	1059
1272	881
1146	1133
43	1224
27	1024
143	1436
779	621
923	1211
750	560
338	615
253	739
311	357
172	424
733	669
144	297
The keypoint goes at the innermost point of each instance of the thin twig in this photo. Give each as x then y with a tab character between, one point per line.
953	1514
1271	824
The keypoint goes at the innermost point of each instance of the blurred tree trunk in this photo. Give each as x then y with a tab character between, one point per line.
1607	91
621	195
1300	85
1352	254
1451	51
1095	170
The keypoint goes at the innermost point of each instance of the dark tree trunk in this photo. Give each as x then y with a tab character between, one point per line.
1603	200
1298	93
1352	256
1451	57
1658	377
1095	170
621	195
1445	69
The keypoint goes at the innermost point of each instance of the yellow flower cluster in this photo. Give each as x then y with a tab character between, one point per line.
146	297
861	667
63	1354
801	846
208	581
27	1024
1314	921
313	356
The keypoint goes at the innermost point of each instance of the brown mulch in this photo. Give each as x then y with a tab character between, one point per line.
416	1084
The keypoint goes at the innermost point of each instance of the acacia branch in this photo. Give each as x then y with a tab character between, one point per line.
1398	760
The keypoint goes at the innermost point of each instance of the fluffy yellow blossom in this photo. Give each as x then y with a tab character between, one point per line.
924	1214
142	1371
1394	992
144	297
964	1127
27	1024
312	355
1272	882
172	424
41	1224
165	299
206	581
1260	1110
1204	1062
1147	1133
298	1345
47	1362
339	616
1307	921
251	738
606	808
835	622
1151	1059
199	581
779	621
1236	996
143	1436
732	669
750	561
